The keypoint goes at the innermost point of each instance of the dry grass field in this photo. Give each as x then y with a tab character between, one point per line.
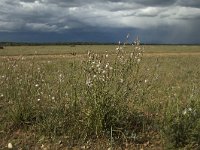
97	97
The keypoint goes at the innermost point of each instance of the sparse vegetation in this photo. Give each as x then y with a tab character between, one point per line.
98	99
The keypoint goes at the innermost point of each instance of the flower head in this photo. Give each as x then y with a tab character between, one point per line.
10	146
89	82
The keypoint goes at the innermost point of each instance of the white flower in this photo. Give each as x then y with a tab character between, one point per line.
145	81
1	95
131	55
95	76
53	98
10	146
38	99
127	36
106	55
89	82
102	79
99	70
184	112
107	65
121	80
138	60
189	109
36	85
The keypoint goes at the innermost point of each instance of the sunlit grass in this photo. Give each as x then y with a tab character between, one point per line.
122	99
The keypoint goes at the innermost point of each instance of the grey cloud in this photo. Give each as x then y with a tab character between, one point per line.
189	3
155	2
28	1
62	16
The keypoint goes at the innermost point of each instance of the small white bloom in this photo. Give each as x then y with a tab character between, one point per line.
107	65
53	98
36	85
106	55
121	80
131	55
102	79
38	99
95	76
1	95
138	60
10	146
89	82
145	81
99	70
184	112
127	35
189	109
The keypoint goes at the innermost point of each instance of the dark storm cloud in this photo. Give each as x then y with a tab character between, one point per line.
189	3
156	2
95	16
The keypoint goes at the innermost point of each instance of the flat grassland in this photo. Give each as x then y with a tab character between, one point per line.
83	49
62	97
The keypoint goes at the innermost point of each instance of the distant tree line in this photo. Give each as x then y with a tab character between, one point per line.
2	44
56	43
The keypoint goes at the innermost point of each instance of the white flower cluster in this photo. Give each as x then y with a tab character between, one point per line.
98	68
189	111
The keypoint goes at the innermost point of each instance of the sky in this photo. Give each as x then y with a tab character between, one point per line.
154	21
